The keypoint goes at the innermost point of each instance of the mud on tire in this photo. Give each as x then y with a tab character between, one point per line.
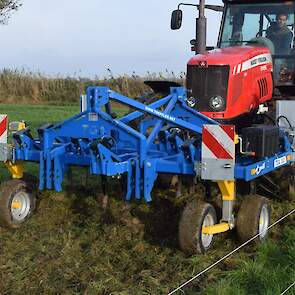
195	215
253	218
17	202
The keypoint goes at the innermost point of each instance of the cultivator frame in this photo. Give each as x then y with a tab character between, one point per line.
109	146
168	136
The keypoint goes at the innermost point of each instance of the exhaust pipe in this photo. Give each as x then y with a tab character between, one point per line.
201	29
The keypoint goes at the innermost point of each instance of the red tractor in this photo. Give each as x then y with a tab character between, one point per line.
227	83
248	79
252	65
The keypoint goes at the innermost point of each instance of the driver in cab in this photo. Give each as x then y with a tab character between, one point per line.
280	34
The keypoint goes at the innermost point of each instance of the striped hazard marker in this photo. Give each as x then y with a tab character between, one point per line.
3	128
218	142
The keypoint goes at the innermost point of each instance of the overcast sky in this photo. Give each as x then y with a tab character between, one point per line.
84	38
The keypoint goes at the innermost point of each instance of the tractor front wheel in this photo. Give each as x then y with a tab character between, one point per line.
17	203
196	215
253	218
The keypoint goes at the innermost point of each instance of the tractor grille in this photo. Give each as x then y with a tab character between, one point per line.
263	89
204	83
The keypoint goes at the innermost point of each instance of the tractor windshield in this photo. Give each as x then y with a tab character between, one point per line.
269	24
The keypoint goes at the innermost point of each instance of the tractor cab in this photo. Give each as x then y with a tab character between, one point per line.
266	23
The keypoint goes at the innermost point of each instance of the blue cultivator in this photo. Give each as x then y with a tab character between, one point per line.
110	146
228	126
167	136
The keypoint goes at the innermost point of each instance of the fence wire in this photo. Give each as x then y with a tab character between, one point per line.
231	253
289	288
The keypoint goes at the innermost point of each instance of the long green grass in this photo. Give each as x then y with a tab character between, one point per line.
73	246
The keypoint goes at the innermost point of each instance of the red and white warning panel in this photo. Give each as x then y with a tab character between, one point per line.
3	128
218	152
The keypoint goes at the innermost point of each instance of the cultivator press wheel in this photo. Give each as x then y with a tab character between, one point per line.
195	216
17	203
253	218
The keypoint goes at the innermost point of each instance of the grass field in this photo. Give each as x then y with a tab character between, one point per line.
73	246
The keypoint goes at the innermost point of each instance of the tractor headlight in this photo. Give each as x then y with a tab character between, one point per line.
217	103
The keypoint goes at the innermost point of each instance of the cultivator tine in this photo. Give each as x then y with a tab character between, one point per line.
264	190
42	173
179	186
104	185
138	181
130	182
266	186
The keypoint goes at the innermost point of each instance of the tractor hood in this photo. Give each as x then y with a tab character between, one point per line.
230	82
231	56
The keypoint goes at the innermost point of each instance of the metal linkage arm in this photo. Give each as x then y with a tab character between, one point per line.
181	115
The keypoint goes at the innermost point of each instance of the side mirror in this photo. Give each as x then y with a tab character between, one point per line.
176	19
193	44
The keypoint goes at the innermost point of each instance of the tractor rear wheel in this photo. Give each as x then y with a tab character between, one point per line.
17	203
253	218
195	216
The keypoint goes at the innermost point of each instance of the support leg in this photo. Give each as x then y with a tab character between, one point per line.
16	169
228	191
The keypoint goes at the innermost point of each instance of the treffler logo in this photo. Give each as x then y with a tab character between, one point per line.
160	114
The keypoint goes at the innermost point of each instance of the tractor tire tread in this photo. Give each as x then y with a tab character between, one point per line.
248	217
192	220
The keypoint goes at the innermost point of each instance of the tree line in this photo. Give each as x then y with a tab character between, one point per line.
6	8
